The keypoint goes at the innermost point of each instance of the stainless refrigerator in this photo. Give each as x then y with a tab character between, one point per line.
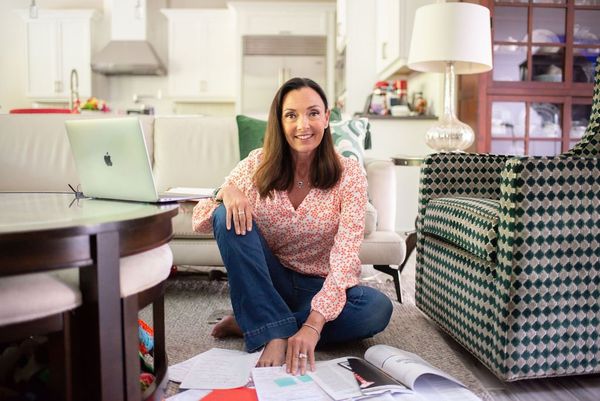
269	61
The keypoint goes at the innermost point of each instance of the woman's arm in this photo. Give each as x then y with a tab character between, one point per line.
239	179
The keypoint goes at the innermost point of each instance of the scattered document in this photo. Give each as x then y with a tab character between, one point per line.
189	395
220	369
274	384
201	192
179	371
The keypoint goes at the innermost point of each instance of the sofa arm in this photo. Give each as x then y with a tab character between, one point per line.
381	176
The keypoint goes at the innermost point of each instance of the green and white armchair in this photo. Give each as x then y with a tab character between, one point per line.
508	256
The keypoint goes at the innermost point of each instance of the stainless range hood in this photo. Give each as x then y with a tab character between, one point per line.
128	52
128	57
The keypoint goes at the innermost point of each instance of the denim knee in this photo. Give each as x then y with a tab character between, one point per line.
378	312
382	309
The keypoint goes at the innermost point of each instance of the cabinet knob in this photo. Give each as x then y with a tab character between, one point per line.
203	85
384	50
58	87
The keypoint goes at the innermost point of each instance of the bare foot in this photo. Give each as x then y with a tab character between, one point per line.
227	327
273	354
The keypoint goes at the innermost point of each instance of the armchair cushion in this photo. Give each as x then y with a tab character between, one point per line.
469	223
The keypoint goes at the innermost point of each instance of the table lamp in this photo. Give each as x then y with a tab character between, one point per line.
454	38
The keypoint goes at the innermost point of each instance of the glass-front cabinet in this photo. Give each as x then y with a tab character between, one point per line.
536	100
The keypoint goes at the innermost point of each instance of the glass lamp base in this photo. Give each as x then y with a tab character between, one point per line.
449	135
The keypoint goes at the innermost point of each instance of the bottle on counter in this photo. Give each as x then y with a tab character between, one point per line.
400	106
379	103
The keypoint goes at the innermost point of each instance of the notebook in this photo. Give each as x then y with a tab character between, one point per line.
112	161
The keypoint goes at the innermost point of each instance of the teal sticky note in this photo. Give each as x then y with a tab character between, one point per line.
305	378
285	381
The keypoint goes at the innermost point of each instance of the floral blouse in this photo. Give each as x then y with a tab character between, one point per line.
322	237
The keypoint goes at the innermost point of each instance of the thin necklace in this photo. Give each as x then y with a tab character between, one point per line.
300	184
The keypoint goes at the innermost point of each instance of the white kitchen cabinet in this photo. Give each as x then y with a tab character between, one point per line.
394	24
282	18
201	54
58	42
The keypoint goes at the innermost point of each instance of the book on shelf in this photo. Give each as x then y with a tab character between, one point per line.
386	369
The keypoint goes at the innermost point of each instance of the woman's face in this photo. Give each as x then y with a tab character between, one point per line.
304	120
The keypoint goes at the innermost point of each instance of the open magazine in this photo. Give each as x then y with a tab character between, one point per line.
387	369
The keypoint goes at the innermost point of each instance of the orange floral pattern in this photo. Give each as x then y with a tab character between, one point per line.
322	237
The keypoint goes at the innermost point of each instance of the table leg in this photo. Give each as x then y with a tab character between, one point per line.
102	322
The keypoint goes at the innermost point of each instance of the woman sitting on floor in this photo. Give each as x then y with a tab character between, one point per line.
297	209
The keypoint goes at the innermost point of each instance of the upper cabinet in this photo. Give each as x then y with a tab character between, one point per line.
394	24
282	18
201	54
58	42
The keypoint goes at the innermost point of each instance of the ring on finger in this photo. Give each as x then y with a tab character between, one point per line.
301	355
241	212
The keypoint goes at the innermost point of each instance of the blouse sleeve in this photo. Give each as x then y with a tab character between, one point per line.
344	261
241	176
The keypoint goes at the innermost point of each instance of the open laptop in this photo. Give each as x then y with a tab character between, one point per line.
112	161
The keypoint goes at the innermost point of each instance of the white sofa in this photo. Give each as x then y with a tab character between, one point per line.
185	151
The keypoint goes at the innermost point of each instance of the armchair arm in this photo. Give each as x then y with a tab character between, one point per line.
381	175
548	248
459	174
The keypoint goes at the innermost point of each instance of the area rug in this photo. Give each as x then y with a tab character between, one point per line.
190	301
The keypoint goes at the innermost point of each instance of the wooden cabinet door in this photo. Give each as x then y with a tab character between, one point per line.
544	55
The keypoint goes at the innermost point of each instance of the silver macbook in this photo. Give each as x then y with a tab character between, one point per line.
112	160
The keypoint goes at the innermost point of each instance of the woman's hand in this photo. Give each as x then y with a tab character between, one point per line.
238	209
301	346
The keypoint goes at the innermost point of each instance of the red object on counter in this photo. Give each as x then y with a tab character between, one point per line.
43	111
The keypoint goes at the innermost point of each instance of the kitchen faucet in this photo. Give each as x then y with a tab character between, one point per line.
74	101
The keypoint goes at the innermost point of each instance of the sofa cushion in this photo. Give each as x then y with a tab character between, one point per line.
468	223
251	133
194	151
36	145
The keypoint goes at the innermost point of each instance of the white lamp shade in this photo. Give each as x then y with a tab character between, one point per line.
457	32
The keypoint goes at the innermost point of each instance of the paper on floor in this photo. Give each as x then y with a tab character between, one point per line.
274	384
189	395
220	369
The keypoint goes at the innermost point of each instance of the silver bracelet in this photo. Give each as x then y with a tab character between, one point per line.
314	328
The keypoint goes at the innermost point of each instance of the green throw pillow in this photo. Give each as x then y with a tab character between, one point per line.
251	133
349	138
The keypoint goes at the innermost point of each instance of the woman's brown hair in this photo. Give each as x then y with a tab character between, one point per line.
276	169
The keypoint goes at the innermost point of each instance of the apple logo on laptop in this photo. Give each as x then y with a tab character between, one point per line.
107	159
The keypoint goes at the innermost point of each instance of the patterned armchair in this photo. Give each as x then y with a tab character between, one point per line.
508	256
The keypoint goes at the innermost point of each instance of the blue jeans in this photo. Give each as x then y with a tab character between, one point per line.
271	301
